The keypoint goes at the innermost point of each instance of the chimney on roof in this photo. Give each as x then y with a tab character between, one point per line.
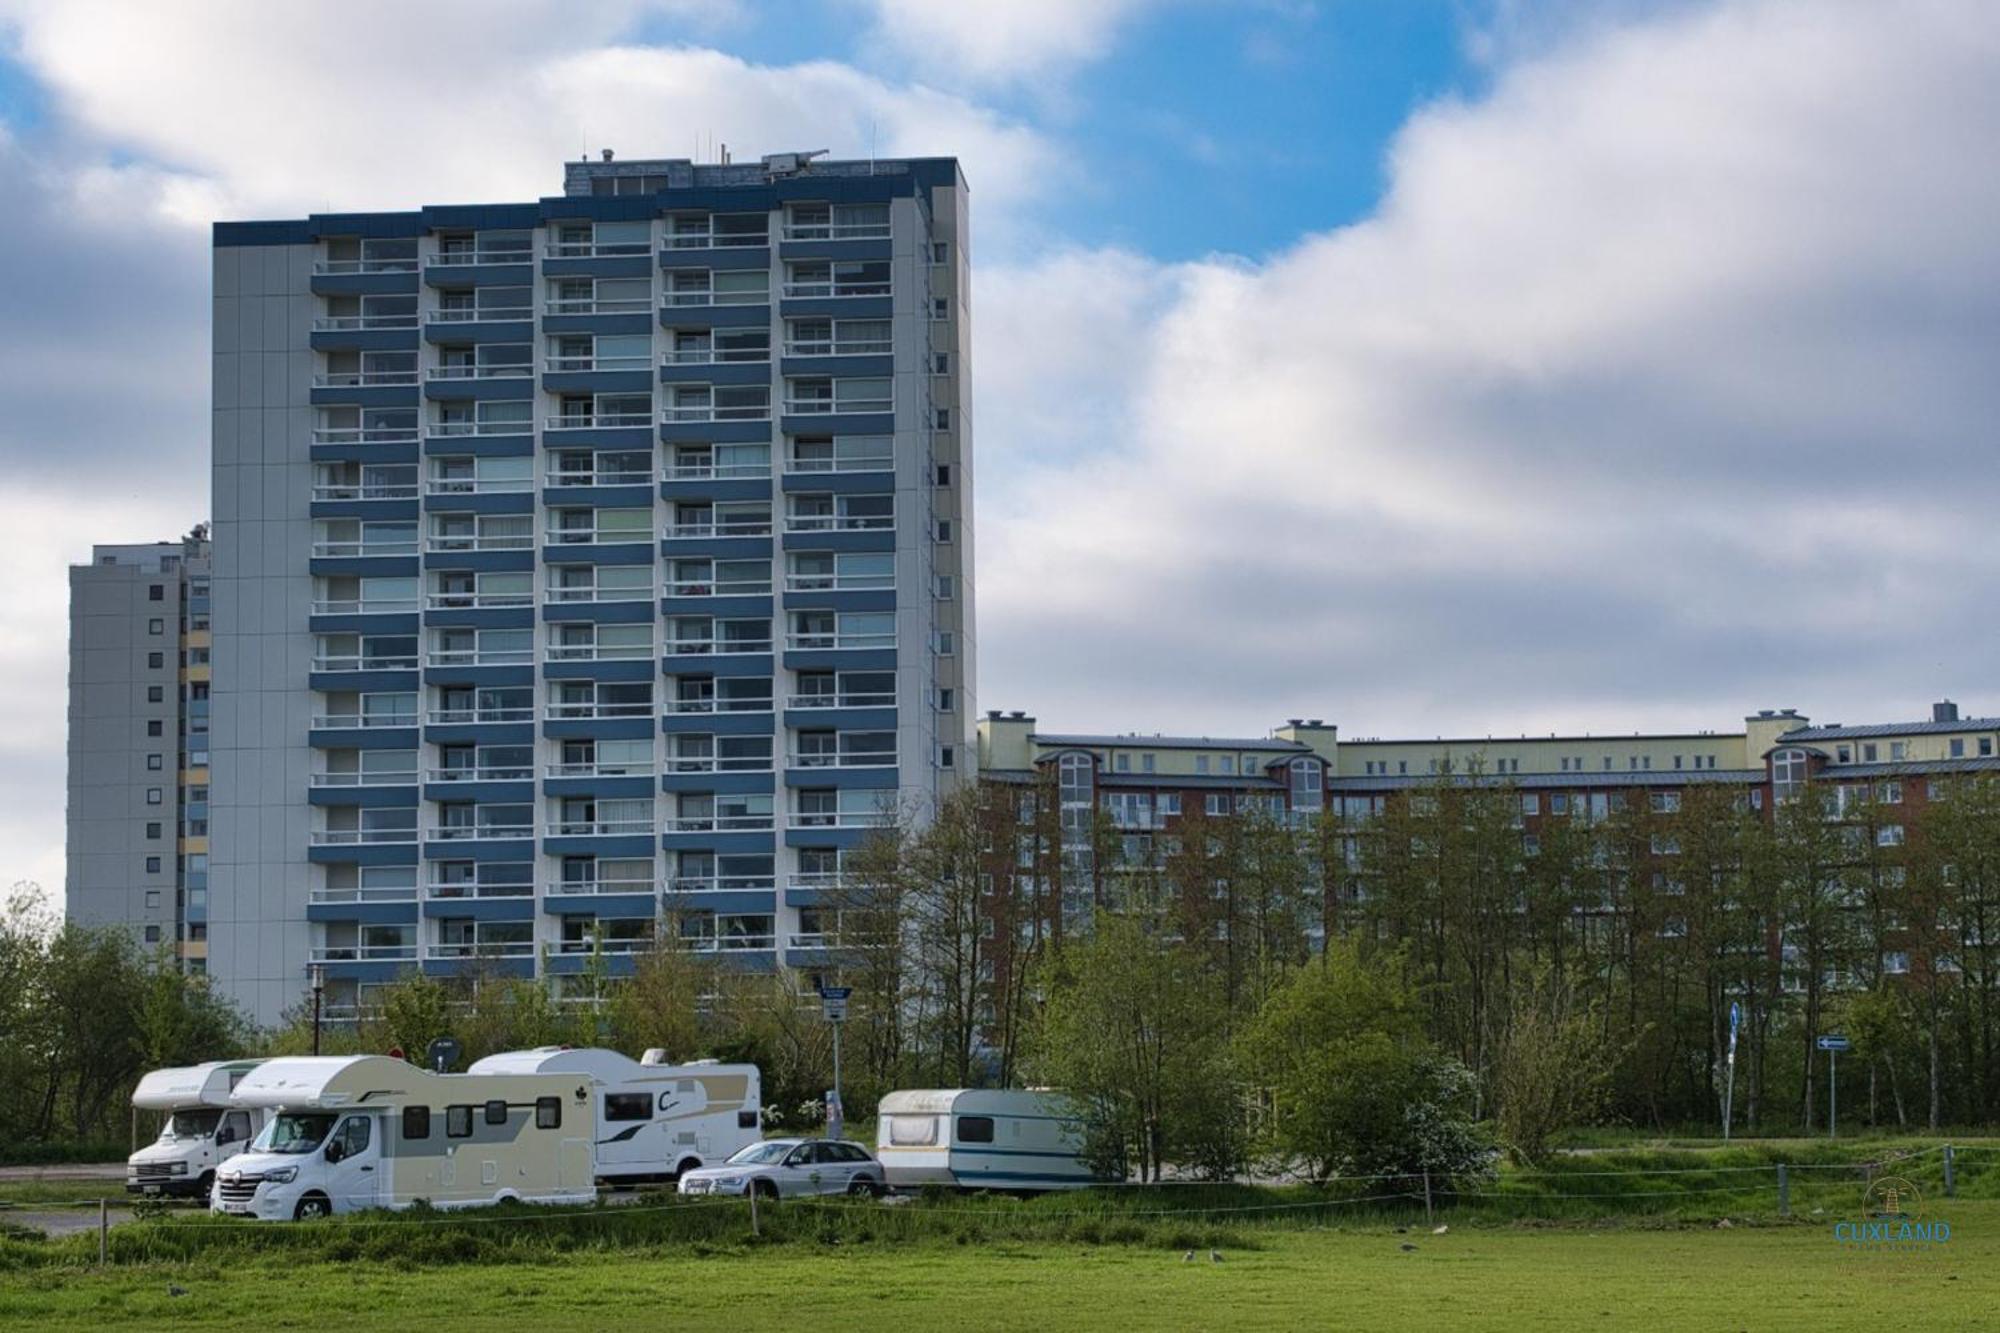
993	714
1944	710
1315	721
1018	713
606	153
1295	722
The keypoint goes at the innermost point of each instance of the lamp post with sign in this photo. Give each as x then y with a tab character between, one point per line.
1729	1081
1833	1044
833	1008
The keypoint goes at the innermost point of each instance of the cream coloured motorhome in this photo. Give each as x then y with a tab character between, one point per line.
367	1131
654	1120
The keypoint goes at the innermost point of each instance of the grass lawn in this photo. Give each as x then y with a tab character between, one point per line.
1484	1276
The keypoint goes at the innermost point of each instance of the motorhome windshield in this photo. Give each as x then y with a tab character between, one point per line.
295	1132
759	1153
198	1123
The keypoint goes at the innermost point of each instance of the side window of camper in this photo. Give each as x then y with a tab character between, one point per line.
913	1131
416	1123
458	1122
975	1129
746	1120
628	1106
548	1113
496	1112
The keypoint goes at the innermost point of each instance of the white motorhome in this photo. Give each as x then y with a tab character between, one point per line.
367	1131
980	1138
655	1120
201	1130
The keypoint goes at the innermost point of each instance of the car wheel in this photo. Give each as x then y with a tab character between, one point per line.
863	1187
311	1206
765	1189
206	1185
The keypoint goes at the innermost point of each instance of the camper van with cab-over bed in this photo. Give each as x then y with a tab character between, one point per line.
200	1132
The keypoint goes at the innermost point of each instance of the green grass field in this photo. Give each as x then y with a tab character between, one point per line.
1513	1276
1622	1237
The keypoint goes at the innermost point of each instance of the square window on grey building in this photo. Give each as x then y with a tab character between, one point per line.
154	661
156	626
154	796
944	474
157	593
154	763
155	727
941	363
944	418
152	898
153	828
152	934
156	694
940	308
944	529
152	865
940	252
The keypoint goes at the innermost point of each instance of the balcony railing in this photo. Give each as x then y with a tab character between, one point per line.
716	356
836	231
499	370
718	588
361	721
712	240
599	595
829	406
355	837
727	943
561	479
557	365
590	305
363	953
839	522
481	773
858	759
838	347
597	828
455	717
364	662
839	582
483	315
598	420
817	879
722	883
828	287
353	323
476	601
363	606
398	778
333	267
364	491
363	379
401	893
575	712
839	819
600	769
595	249
718	824
600	944
441	657
478	485
731	704
468	258
713	471
715	647
799	641
684	413
846	700
867	463
461	430
481	949
596	652
438	543
594	537
325	550
708	763
479	832
593	886
704	529
476	890
364	435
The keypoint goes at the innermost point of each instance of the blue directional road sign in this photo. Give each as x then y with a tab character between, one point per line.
1834	1043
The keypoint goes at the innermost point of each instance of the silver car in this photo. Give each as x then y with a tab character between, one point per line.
788	1168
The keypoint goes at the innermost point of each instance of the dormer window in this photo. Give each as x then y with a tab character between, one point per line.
1788	774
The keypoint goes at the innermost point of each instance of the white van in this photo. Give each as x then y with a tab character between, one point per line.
980	1138
654	1120
367	1131
201	1130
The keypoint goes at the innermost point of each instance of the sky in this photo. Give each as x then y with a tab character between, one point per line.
1430	366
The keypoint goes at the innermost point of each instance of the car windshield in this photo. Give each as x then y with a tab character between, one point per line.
296	1133
194	1124
759	1154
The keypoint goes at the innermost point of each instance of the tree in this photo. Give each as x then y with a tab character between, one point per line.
1355	1086
1131	1030
1553	1071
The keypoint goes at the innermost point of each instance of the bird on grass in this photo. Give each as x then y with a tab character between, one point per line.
173	1290
1188	1258
1440	1229
1215	1256
1408	1248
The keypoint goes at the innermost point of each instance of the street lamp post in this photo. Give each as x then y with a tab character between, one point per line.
318	975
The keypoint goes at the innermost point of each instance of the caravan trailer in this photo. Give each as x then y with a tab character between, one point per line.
979	1138
201	1131
655	1120
353	1132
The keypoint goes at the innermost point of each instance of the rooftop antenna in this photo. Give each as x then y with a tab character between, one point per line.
871	145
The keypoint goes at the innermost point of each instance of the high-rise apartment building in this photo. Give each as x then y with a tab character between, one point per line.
583	567
137	843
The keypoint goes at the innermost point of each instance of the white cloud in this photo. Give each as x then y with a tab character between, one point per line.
1653	390
1004	40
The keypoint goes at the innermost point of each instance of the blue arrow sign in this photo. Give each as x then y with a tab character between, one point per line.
1735	1015
1834	1043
